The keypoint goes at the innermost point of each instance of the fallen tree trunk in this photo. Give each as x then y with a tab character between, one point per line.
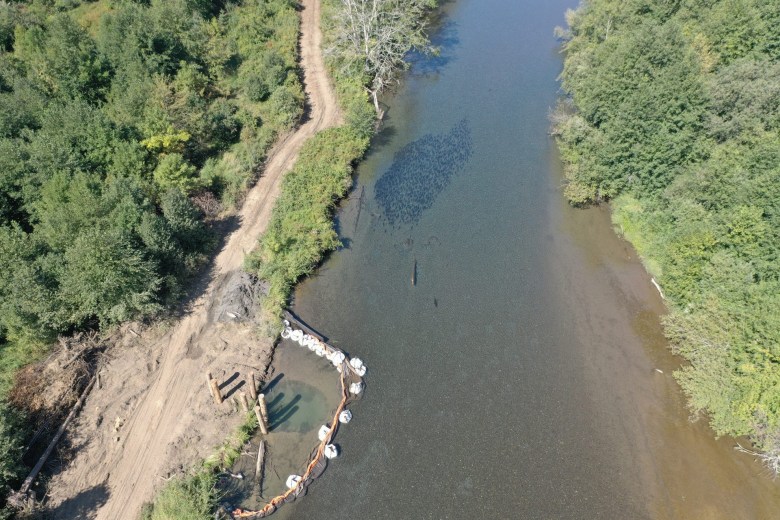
34	473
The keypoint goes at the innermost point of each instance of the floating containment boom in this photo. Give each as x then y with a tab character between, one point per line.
351	372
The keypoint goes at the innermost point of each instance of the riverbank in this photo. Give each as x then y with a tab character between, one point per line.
127	163
301	228
676	467
164	418
669	124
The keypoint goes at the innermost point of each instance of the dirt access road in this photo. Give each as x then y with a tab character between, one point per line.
152	414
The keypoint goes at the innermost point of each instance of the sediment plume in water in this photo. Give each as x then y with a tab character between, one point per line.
421	170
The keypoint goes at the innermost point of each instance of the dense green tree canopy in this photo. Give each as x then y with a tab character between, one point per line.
109	112
674	113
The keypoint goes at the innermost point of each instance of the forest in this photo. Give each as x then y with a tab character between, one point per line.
128	130
672	113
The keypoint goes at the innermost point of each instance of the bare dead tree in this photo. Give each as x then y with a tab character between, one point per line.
377	35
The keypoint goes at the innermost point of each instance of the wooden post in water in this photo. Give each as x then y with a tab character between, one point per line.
263	410
261	420
244	403
214	387
252	387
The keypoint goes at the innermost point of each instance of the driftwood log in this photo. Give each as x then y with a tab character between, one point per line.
260	464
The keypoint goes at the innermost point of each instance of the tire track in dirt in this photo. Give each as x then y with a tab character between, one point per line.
110	479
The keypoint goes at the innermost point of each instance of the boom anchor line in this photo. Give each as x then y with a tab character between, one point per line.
351	372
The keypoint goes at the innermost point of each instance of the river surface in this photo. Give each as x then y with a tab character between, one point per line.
525	374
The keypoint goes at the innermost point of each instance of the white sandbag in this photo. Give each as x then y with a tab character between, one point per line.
324	432
293	481
337	359
331	451
345	416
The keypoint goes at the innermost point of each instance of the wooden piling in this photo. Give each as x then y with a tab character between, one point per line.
214	387
263	409
261	421
263	406
252	387
244	403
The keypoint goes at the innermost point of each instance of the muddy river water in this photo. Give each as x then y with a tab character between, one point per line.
525	374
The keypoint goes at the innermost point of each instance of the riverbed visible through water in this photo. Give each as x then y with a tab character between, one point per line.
517	367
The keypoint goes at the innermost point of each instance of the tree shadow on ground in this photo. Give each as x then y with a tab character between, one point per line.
85	505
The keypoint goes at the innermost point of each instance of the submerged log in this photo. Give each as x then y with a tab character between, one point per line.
359	209
260	464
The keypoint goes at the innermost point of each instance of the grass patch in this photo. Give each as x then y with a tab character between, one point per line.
229	451
188	498
628	217
301	228
195	496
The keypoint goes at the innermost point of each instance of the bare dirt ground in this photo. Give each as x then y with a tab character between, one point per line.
152	415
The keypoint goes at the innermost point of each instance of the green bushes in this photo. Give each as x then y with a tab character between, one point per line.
301	228
676	117
11	436
99	127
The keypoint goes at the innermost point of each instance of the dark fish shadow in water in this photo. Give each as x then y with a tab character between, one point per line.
421	170
346	243
381	138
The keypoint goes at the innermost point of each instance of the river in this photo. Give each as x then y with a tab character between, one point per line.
525	374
